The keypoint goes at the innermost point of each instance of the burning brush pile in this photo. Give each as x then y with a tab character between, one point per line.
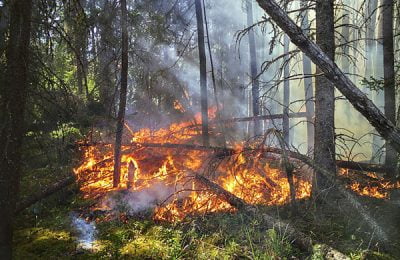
160	170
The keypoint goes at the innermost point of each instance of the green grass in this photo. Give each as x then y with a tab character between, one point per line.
45	231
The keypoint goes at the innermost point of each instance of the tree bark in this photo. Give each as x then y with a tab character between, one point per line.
324	137
356	97
203	72
389	79
13	99
255	89
104	77
3	27
122	97
286	93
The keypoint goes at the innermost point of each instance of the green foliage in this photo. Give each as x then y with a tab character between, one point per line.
39	243
224	236
373	84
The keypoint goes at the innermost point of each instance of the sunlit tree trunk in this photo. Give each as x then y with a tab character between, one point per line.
357	98
255	89
389	79
12	102
203	72
308	84
122	97
324	142
370	54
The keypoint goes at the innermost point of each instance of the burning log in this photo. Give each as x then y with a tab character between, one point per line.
365	167
300	239
359	166
131	174
308	161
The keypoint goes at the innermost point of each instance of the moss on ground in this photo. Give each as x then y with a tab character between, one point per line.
45	231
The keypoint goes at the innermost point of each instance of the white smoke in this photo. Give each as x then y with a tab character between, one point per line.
86	232
142	200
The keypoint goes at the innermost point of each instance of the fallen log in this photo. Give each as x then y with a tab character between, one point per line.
46	192
300	239
333	73
359	166
257	118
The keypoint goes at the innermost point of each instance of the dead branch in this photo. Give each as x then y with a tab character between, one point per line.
263	117
46	192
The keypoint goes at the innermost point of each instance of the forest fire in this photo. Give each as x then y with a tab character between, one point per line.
254	180
375	188
250	177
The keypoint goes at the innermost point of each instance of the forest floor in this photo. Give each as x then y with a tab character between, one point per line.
47	231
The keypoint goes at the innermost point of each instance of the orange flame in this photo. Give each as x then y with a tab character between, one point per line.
252	179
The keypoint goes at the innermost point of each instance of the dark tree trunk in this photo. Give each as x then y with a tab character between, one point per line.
356	97
324	138
255	89
203	72
389	79
13	99
122	97
80	49
286	93
104	78
308	84
3	27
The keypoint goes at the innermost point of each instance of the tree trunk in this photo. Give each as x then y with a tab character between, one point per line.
324	139
389	79
203	72
104	77
255	89
3	27
286	93
122	97
308	84
12	117
370	54
356	97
